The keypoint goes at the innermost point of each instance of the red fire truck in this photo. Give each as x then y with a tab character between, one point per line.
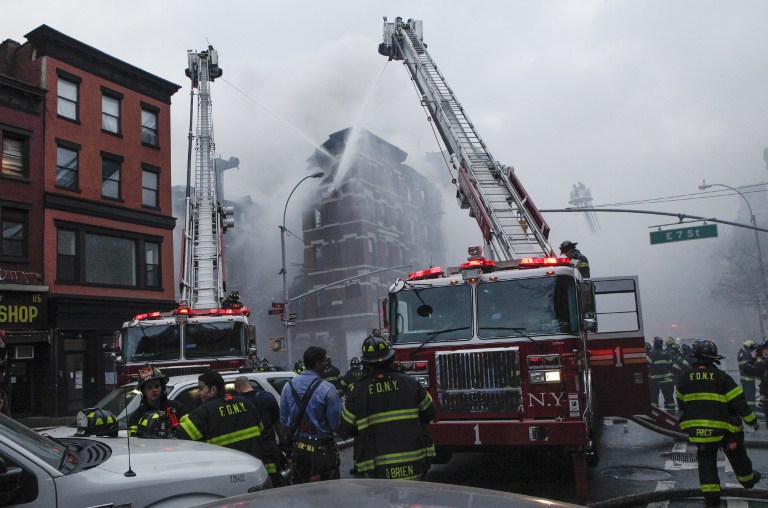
517	349
207	330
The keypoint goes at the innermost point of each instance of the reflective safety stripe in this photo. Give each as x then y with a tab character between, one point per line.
425	402
270	467
710	487
715	397
711	424
734	393
387	416
395	458
234	437
348	416
190	428
713	439
747	478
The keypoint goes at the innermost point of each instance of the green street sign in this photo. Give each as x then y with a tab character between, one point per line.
678	235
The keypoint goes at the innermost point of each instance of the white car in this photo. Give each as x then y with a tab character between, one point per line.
36	470
180	388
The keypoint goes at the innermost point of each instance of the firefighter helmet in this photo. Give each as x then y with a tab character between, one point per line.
658	342
156	425
567	246
706	349
750	344
149	373
298	367
669	341
377	350
95	421
355	362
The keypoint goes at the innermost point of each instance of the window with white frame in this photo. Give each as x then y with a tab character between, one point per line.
15	157
67	166
149	126
149	186
110	114
67	91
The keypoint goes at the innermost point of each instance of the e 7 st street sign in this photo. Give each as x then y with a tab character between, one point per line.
680	234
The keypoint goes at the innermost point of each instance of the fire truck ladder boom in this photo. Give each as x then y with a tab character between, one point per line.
508	219
202	277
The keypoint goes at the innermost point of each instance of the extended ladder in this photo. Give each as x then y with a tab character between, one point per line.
510	222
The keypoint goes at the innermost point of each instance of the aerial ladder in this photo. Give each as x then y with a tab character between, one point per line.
510	223
202	280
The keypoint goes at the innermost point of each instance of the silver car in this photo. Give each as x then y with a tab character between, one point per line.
36	470
125	400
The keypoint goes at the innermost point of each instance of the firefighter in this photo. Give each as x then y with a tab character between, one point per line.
332	374
660	374
269	414
352	376
759	370
151	384
746	358
387	413
679	364
713	408
232	301
223	419
579	260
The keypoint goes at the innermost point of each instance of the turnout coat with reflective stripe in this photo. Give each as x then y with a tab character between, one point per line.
712	404
388	411
228	420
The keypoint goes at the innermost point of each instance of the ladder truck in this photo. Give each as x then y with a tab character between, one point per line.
508	345
207	329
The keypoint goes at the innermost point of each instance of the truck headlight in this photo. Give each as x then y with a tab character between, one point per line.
423	380
544	376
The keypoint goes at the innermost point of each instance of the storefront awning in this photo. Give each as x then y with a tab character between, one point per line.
26	336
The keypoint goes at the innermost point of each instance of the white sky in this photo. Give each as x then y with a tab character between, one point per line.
637	99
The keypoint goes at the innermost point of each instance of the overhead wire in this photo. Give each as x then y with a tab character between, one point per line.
758	188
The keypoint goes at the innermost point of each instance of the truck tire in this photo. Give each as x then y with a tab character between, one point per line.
442	457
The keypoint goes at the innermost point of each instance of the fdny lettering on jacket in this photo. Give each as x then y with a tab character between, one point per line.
231	409
383	386
702	376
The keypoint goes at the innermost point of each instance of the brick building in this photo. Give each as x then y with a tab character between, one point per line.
96	187
381	214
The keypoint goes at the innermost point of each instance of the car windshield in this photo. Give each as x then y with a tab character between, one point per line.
527	307
118	399
42	447
436	314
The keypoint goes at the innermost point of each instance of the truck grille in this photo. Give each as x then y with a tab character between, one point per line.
478	381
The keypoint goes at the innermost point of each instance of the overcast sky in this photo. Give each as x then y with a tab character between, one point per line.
636	99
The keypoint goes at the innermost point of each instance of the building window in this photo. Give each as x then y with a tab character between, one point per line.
67	167
110	177
110	114
152	264
149	188
66	255
110	260
15	155
318	254
149	127
14	224
318	218
67	98
86	255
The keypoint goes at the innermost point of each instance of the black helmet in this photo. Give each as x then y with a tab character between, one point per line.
149	373
234	295
658	342
96	421
298	367
377	350
355	362
706	349
567	245
155	424
686	349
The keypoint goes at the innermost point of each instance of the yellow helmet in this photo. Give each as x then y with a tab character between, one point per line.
669	341
750	344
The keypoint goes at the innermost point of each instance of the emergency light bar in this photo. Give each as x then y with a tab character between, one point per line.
539	262
486	265
429	273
